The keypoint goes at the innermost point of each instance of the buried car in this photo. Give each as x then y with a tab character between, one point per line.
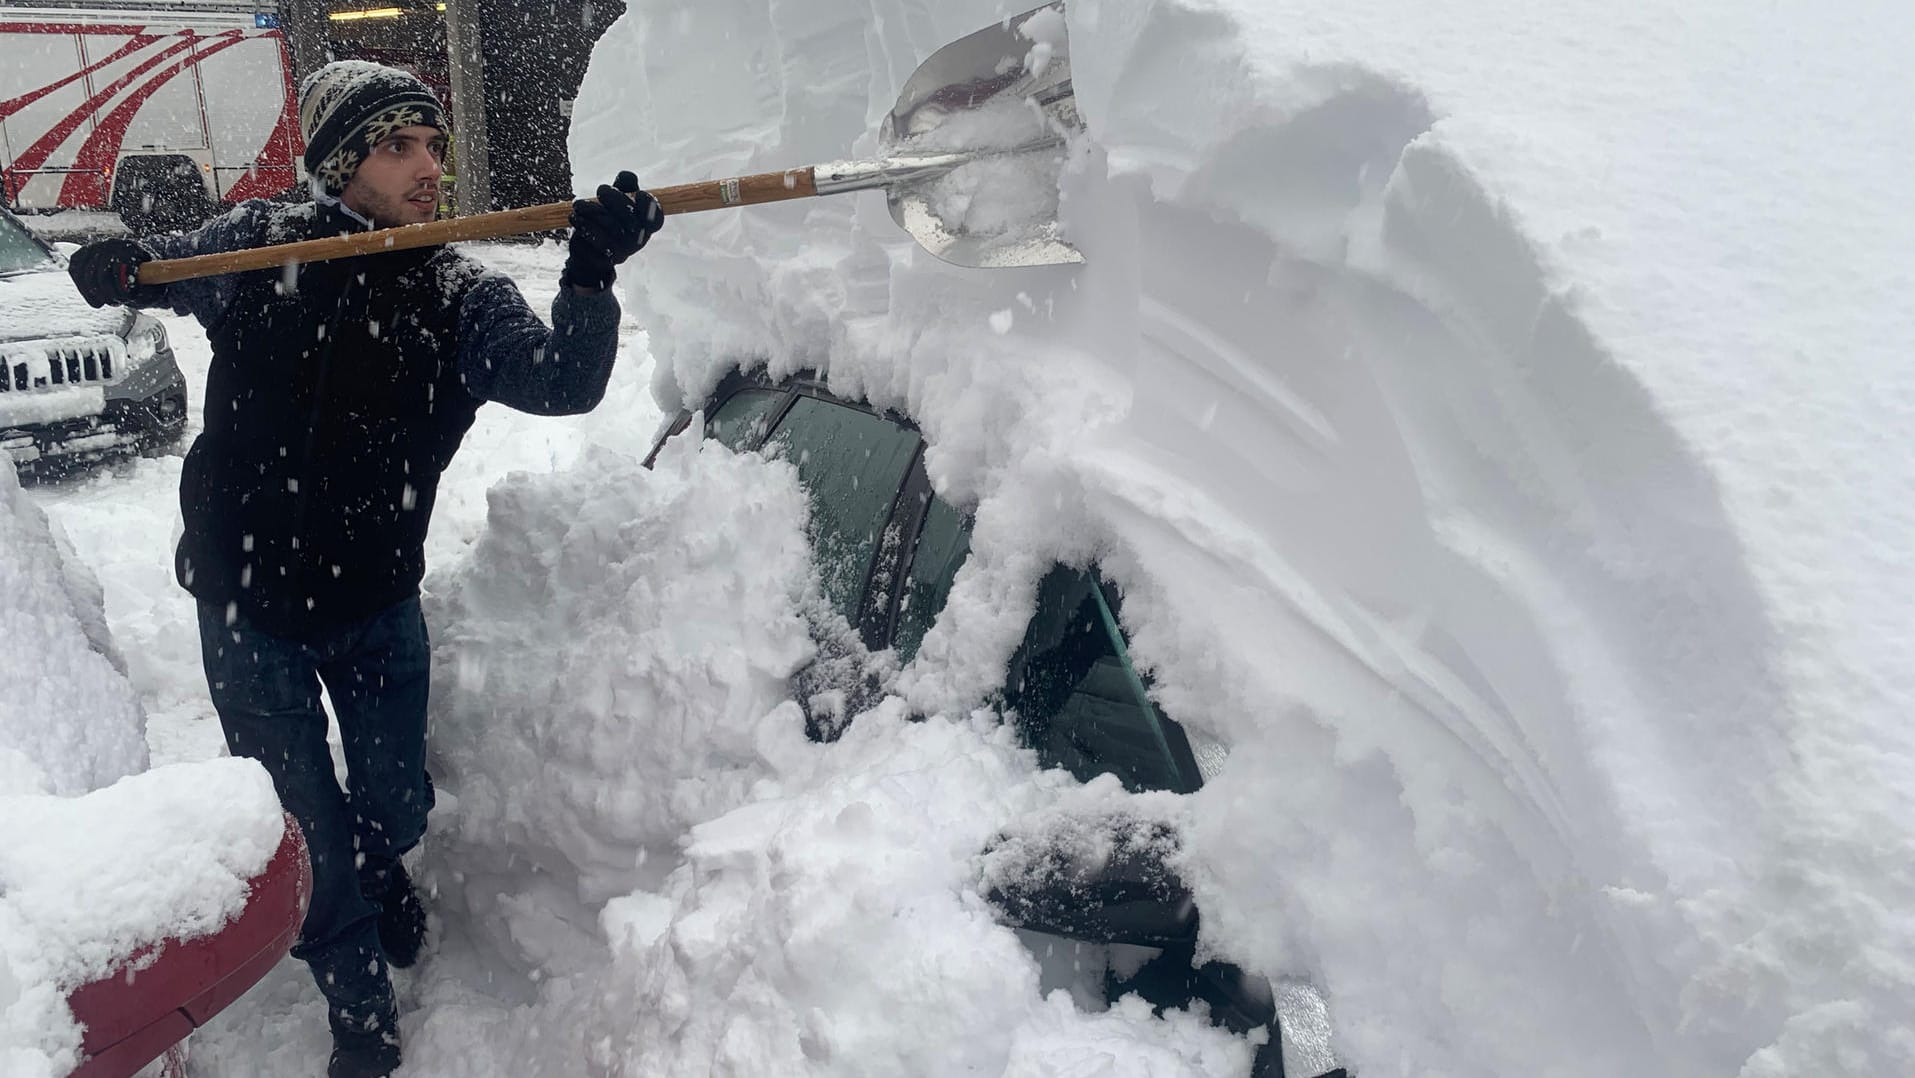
887	549
76	384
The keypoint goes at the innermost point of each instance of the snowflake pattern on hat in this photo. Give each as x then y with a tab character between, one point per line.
336	170
380	127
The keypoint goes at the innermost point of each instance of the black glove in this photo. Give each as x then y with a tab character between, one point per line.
609	230
106	273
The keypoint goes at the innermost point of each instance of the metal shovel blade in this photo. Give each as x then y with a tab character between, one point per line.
999	102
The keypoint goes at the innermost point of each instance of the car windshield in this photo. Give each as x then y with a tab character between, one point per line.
18	249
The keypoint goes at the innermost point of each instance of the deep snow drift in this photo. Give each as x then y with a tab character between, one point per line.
1494	415
1495	418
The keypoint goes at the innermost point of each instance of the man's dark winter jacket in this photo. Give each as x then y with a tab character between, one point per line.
338	394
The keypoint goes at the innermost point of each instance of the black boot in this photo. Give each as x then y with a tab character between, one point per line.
365	1040
373	1054
402	920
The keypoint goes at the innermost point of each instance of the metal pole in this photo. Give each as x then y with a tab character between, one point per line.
473	188
308	34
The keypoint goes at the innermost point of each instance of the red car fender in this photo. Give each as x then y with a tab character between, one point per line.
159	994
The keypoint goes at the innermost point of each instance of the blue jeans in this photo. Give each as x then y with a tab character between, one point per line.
266	690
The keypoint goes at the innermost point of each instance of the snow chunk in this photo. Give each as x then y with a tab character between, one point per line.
612	669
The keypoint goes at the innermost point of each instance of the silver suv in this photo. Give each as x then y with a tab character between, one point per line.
76	384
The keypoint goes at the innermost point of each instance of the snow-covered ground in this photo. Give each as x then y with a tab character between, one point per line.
1495	415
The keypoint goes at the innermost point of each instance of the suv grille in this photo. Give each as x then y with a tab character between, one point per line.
72	365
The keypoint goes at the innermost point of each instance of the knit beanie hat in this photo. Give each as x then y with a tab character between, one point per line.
347	107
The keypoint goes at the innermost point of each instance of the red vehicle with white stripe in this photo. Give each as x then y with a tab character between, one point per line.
160	111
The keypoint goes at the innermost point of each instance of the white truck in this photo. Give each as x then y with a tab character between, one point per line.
159	110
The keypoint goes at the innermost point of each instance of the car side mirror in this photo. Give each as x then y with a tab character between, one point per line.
1103	881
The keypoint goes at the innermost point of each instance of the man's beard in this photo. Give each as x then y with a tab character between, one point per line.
391	212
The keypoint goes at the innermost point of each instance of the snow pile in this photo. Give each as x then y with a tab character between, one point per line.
1471	402
600	651
87	881
616	656
69	721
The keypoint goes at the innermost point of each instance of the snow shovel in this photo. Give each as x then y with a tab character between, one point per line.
970	160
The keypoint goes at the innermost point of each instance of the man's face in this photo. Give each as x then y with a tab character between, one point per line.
398	183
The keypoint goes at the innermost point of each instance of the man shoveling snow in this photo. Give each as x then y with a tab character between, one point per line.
339	392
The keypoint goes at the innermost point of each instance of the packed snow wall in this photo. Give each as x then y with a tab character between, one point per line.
69	720
1433	387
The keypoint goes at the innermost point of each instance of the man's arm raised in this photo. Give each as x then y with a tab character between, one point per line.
507	355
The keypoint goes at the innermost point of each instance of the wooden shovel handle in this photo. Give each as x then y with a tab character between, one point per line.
685	198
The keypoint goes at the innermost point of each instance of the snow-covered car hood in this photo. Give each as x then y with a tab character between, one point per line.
39	304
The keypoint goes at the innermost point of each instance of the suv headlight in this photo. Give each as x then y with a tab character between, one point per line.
145	338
